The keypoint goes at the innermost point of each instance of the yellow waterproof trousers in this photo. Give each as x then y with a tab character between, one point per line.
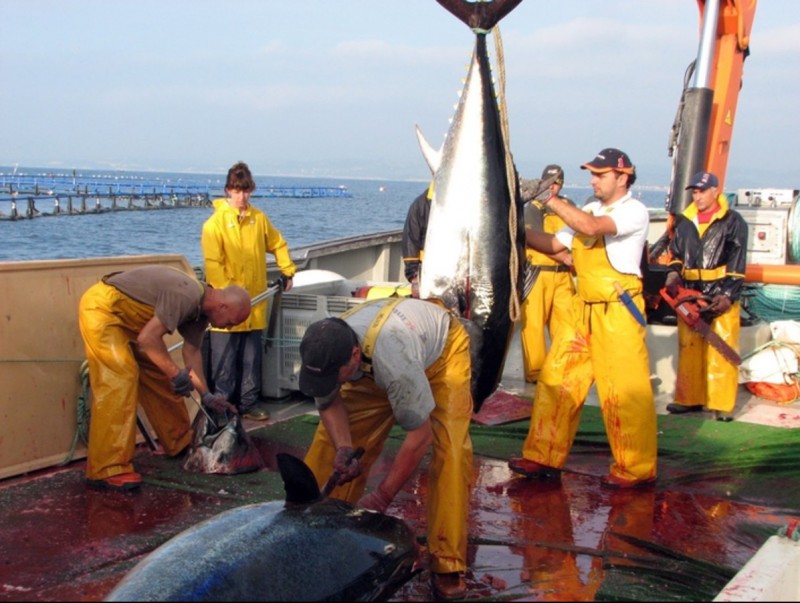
705	377
549	304
605	345
450	469
120	378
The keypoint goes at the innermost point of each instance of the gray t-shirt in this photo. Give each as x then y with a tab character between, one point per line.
411	340
176	297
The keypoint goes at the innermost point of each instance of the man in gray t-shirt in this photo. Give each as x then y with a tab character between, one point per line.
404	362
123	320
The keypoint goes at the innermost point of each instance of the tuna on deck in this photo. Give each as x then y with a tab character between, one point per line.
723	488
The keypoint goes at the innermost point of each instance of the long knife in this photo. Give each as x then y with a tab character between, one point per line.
334	478
626	299
688	310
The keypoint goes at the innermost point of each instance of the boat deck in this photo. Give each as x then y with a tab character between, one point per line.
723	489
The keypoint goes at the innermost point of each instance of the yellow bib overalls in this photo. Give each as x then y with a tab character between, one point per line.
549	304
604	345
450	469
120	379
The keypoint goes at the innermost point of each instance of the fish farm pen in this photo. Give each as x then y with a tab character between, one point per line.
25	196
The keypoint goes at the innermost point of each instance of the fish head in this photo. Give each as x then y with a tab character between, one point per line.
225	450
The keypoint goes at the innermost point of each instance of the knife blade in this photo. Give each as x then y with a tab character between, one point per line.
626	299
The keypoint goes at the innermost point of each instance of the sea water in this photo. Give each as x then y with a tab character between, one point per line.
375	205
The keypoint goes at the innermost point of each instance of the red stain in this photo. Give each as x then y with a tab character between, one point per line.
494	581
528	539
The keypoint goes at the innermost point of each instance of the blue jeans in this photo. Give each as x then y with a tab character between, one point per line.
236	367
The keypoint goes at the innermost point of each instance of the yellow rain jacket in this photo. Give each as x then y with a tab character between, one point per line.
235	253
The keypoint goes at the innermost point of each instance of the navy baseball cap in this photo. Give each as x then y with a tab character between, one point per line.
703	181
326	347
610	159
553	172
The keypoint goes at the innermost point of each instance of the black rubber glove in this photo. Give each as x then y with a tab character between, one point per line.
346	465
182	383
286	282
218	403
672	283
720	304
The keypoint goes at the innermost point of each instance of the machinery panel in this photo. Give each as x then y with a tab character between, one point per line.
767	234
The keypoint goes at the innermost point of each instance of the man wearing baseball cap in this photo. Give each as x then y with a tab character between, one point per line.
708	251
605	343
397	361
549	303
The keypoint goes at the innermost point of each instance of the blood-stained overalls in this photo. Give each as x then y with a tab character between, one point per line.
605	345
450	469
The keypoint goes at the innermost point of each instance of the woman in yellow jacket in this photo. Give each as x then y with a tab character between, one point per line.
235	241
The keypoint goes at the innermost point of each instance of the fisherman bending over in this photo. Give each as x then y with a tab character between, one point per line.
396	361
123	320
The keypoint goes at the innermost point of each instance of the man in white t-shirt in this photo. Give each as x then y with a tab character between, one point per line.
606	343
406	362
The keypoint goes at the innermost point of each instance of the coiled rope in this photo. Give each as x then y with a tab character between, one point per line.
775	302
511	178
83	414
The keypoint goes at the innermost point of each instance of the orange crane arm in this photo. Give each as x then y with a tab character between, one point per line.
731	47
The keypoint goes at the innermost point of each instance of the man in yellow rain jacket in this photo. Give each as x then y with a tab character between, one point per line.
235	241
606	342
397	361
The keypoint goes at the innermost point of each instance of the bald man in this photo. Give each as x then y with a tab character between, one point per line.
123	320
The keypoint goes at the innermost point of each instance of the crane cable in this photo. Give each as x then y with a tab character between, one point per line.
511	178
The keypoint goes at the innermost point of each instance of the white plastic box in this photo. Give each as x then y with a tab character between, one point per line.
316	294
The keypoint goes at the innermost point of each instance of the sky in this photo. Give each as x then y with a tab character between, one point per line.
336	88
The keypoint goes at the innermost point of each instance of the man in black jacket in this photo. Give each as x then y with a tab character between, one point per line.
414	230
708	254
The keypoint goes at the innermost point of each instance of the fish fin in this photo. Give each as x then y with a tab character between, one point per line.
432	157
298	480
